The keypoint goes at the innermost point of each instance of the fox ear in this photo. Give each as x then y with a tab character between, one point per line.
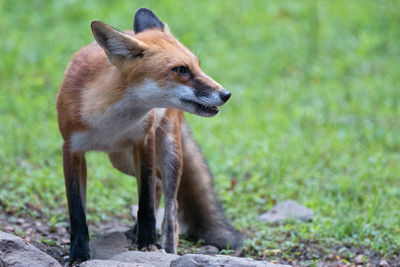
145	19
116	44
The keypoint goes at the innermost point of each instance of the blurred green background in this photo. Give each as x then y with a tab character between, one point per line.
314	114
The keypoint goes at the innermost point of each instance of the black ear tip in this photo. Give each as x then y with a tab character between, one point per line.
93	23
144	10
146	19
97	25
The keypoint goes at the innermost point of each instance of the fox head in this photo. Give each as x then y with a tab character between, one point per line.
159	72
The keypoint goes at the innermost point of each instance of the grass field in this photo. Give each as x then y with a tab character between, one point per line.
314	116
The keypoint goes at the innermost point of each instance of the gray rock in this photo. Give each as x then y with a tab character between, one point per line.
383	263
322	264
195	260
159	215
155	258
109	245
359	259
208	249
288	209
14	251
109	263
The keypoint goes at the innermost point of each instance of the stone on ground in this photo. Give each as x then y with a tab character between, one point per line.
108	245
359	259
208	249
155	258
109	263
383	263
14	251
195	260
288	209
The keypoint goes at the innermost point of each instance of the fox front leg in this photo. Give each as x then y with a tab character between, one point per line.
75	183
169	155
145	164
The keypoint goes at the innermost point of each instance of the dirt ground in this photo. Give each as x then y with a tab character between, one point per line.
54	240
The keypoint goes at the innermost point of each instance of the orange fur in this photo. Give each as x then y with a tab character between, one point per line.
92	83
124	95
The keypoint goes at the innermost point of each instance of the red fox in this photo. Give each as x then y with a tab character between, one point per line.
125	94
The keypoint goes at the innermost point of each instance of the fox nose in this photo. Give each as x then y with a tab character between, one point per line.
225	95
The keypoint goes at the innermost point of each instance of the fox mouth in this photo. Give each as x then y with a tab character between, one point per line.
205	110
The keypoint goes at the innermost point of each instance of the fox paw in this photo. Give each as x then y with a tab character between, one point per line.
149	248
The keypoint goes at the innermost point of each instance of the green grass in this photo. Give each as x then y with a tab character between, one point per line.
315	112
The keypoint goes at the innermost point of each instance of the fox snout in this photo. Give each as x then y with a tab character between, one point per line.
210	91
206	95
225	95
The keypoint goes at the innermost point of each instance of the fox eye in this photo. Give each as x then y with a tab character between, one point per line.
181	70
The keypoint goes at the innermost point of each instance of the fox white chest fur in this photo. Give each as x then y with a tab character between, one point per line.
123	123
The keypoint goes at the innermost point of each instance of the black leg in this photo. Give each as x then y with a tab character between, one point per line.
146	228
75	182
131	234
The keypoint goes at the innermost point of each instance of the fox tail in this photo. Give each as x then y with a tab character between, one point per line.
200	213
